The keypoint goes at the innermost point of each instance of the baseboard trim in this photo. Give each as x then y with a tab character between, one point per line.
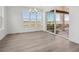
24	32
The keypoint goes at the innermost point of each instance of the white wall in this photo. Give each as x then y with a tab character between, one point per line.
74	24
15	21
3	31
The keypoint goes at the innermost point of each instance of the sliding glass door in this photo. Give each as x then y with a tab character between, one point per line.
58	23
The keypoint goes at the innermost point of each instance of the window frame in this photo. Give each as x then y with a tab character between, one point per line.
29	18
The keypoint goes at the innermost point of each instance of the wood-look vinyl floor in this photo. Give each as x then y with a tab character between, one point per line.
36	42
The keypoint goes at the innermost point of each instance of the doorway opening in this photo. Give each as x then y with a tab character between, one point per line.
58	22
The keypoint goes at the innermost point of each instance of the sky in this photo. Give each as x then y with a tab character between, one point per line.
51	17
38	16
31	15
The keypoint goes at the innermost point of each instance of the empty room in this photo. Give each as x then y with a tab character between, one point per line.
39	29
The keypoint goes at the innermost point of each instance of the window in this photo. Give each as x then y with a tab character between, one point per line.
39	16
25	15
50	21
58	22
57	16
50	16
66	17
32	18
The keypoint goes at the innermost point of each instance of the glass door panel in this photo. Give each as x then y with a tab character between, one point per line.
50	21
62	24
58	23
